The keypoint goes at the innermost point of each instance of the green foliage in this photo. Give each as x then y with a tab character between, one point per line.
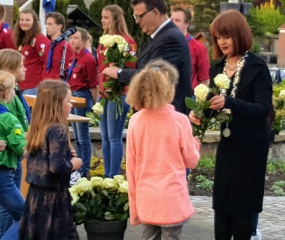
206	164
275	167
278	188
265	20
16	12
204	183
279	107
205	12
255	48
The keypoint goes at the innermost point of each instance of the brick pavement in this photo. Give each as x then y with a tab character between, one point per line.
201	225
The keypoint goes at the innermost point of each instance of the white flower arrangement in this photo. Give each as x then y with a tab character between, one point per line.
100	199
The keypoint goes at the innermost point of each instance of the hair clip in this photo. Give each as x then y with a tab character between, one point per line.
156	68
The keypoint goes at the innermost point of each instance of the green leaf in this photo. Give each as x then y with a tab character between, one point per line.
190	103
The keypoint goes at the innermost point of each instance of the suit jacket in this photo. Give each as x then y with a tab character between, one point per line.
171	45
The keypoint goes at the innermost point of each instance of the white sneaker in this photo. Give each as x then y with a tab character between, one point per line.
258	235
75	176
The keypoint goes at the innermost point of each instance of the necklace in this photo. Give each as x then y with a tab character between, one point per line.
228	66
236	80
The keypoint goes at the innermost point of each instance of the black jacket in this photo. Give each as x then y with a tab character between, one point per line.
171	45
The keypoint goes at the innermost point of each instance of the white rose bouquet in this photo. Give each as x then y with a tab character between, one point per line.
100	199
117	54
200	92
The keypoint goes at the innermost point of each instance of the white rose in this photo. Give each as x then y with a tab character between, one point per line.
82	186
110	183
119	178
96	181
98	108
201	92
222	81
282	94
75	199
123	186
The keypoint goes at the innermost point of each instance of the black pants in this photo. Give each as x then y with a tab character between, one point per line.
237	226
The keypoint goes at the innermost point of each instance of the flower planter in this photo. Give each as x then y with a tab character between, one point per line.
113	230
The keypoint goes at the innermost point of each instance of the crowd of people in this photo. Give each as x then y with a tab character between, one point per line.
160	142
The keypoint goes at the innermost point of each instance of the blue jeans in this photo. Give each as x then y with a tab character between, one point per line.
6	219
12	200
112	132
81	131
31	91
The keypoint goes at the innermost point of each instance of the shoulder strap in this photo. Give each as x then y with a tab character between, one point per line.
3	109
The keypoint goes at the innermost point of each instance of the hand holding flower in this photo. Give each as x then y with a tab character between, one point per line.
217	102
194	119
111	72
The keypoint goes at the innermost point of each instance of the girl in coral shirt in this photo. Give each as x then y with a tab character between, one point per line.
160	145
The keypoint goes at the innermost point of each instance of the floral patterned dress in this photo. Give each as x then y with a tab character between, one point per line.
47	214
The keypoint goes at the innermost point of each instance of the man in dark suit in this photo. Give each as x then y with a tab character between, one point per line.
166	42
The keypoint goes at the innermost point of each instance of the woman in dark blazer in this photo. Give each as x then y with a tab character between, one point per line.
242	152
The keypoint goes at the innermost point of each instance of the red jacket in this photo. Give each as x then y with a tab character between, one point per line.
6	37
54	72
84	74
34	56
200	61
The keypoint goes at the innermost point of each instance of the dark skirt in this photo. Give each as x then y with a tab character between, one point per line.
240	176
47	215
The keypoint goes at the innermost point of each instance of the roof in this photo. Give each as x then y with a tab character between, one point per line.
76	17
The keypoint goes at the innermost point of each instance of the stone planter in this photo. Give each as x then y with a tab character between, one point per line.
113	230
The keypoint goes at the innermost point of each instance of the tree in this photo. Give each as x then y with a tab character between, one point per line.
204	13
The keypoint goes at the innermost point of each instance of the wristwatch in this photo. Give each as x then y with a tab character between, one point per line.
119	71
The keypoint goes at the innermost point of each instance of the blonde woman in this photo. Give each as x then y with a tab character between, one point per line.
113	22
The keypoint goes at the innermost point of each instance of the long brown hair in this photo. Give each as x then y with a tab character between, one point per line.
19	36
119	24
10	60
232	24
46	112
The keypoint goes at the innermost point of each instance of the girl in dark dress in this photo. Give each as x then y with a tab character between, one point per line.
50	161
242	152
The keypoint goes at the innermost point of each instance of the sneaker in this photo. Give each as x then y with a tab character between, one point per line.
258	235
75	176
